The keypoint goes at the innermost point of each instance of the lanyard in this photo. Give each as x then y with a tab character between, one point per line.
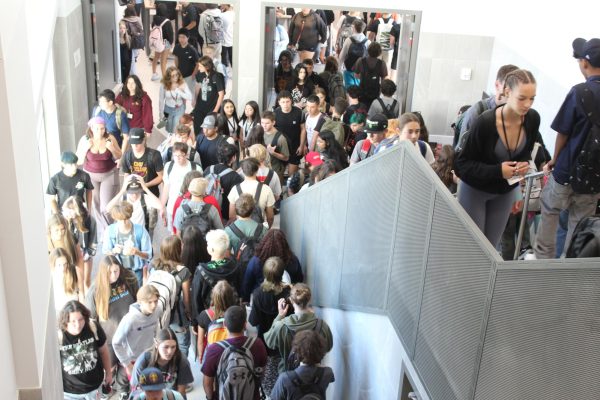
510	155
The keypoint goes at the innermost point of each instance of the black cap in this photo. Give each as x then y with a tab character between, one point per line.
134	186
136	136
587	50
378	123
68	157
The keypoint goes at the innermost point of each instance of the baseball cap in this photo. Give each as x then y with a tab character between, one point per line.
209	122
197	186
314	158
136	136
134	186
68	157
378	123
588	50
151	379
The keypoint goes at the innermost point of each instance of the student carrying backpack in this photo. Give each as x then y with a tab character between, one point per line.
213	29
356	51
247	245
345	31
236	375
197	218
166	284
308	390
257	214
155	39
388	110
370	83
292	361
136	32
335	87
383	33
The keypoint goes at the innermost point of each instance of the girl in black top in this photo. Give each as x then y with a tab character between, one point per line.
496	153
209	92
301	87
284	73
330	149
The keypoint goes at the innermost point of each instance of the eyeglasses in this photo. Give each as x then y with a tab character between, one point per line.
179	155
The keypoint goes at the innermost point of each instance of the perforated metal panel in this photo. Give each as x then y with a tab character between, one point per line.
291	222
332	225
310	243
372	204
453	306
409	251
543	336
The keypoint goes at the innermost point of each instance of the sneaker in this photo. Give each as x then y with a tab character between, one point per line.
155	77
123	396
529	255
189	387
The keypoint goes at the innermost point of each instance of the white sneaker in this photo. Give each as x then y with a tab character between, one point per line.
530	255
155	77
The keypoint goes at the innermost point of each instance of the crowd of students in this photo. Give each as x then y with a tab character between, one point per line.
129	330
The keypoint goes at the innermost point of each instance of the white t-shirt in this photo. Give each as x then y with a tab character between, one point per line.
228	18
262	174
310	125
249	186
138	212
175	180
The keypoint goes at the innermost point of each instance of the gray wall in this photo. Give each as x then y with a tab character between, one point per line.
70	78
438	90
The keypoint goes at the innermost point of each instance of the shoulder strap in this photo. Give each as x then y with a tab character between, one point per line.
145	211
237	231
186	209
249	342
318	325
239	189
171	163
194	165
257	194
211	314
276	139
164	22
257	232
211	169
60	336
94	328
269	177
225	172
422	147
170	394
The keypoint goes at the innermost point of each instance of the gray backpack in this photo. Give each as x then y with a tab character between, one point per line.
236	376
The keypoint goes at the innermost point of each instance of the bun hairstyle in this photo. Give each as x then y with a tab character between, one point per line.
300	294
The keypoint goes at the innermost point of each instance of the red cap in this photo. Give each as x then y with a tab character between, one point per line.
314	158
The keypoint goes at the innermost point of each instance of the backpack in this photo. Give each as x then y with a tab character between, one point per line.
356	51
247	246
369	79
336	127
584	178
257	214
119	110
216	331
166	284
345	31
214	187
200	282
292	361
172	163
267	179
213	29
336	87
364	150
383	33
197	218
456	127
585	241
136	31
481	105
388	110
236	375
308	390
422	147
155	39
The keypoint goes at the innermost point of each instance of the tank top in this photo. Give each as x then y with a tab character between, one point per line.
99	162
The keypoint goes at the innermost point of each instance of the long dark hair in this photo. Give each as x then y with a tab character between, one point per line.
235	114
165	334
255	112
444	165
333	150
194	249
274	244
139	90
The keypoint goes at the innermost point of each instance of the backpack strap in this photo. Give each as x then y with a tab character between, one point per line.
170	167
186	209
276	139
239	189
211	314
224	172
422	147
269	177
257	194
94	328
318	325
207	278
194	165
237	231
211	169
257	232
145	211
365	148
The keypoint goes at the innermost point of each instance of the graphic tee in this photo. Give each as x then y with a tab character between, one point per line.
145	166
82	369
65	186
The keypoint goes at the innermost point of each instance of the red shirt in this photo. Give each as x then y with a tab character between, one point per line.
141	112
207	199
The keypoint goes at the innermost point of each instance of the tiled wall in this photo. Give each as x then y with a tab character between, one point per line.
439	92
69	71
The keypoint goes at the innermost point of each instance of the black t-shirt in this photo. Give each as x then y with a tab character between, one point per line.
290	125
82	369
65	186
208	149
228	182
188	15
210	86
186	57
146	166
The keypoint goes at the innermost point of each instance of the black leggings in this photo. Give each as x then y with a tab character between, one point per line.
227	56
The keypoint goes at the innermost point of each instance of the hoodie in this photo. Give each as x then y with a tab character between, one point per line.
135	334
280	338
264	308
357	37
215	271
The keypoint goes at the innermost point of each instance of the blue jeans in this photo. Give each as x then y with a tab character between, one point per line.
183	338
173	119
139	274
85	396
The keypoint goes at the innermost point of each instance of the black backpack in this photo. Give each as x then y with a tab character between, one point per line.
202	283
356	51
481	105
197	218
308	390
388	111
292	361
257	214
136	31
584	172
370	84
246	249
586	238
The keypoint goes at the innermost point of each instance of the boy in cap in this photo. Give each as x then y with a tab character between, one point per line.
573	126
153	385
208	142
375	127
70	181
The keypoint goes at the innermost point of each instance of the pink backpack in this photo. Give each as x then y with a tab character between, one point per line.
157	43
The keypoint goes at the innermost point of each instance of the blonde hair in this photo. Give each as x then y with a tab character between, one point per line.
70	273
393	127
67	242
102	284
273	273
300	294
218	241
147	293
222	297
75	204
170	254
122	211
258	151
